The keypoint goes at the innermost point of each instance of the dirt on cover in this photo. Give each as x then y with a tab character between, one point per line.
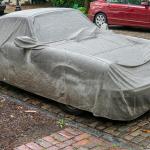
20	125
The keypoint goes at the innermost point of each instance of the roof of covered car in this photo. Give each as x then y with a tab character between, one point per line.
35	12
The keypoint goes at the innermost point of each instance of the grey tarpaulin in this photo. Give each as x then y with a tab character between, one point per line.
75	63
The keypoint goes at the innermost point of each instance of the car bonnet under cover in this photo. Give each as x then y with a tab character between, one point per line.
128	56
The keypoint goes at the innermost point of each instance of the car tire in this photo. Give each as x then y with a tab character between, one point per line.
1	13
71	110
100	19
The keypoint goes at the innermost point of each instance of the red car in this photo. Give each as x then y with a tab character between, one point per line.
120	12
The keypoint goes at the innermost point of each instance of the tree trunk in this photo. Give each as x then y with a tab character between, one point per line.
87	4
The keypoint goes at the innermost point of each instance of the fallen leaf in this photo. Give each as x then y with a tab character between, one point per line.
12	116
2	100
146	131
19	107
1	105
30	111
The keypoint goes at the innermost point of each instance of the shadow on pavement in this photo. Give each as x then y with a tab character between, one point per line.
133	29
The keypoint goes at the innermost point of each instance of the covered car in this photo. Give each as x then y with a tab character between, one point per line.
59	54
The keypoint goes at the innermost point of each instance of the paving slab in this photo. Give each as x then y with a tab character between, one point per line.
75	141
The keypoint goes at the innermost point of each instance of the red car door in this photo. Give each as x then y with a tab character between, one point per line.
117	11
139	15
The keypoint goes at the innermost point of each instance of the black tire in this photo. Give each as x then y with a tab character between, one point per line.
71	110
100	19
1	13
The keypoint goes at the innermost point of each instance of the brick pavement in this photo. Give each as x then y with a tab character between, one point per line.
69	139
133	132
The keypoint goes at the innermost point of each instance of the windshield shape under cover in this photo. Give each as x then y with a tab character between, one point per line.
59	26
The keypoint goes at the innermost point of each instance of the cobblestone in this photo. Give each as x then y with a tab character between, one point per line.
83	141
66	134
65	144
128	137
145	143
143	123
81	137
73	131
51	140
34	146
145	134
136	133
110	130
59	137
43	143
138	139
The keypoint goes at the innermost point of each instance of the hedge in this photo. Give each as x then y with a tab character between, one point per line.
77	4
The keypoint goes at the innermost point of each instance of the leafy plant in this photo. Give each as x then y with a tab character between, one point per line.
62	3
69	3
83	10
61	123
81	5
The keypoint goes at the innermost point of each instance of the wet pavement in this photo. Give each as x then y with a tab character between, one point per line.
132	31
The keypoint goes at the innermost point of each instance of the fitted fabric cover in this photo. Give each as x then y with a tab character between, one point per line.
59	54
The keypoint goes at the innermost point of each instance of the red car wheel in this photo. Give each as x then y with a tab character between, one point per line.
100	19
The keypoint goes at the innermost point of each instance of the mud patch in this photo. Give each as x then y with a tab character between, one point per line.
20	125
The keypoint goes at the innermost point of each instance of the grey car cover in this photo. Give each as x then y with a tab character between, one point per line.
59	54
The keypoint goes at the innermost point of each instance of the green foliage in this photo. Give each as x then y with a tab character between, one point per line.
135	2
81	5
68	3
61	123
62	3
83	9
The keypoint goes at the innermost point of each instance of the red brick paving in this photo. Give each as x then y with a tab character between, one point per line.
34	146
69	139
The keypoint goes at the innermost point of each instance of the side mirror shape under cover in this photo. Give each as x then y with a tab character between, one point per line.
26	42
